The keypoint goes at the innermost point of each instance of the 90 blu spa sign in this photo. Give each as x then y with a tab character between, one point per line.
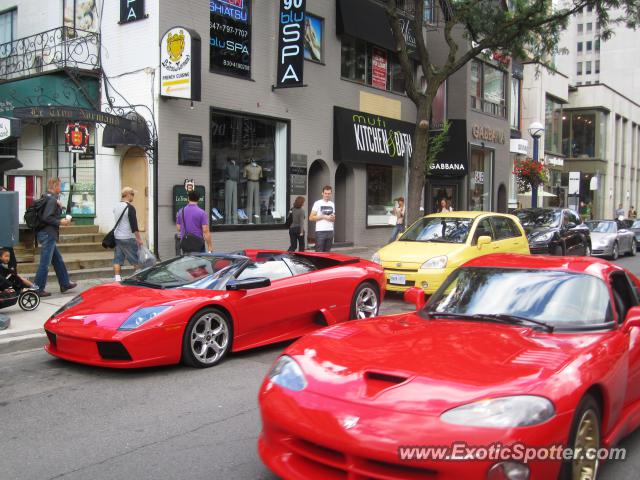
291	43
230	37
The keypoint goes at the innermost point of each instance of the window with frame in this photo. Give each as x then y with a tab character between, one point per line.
589	46
248	170
371	65
579	47
583	134
552	125
7	31
597	66
597	45
589	27
514	115
385	183
488	89
579	68
587	70
580	28
480	179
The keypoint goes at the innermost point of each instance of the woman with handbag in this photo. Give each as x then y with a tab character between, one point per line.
296	226
126	233
193	226
398	214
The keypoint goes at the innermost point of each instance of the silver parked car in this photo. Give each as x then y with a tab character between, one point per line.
611	238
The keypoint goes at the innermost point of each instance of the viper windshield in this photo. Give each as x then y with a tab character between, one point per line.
438	230
563	300
192	271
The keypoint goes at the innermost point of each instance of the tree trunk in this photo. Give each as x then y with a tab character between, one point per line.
418	161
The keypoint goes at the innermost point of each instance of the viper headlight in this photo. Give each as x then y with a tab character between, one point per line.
288	374
142	316
436	262
502	412
71	303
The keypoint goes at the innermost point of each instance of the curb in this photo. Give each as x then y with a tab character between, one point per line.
25	341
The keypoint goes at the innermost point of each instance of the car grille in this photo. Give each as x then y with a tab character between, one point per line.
400	270
407	283
322	462
52	338
597	252
113	351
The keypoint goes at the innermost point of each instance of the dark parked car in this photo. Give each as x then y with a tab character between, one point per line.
555	231
634	226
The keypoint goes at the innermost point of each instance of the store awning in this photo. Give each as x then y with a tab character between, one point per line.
365	20
137	136
9	163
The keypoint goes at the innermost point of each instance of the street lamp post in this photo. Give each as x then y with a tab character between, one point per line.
536	129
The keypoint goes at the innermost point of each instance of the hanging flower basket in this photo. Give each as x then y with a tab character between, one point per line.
529	174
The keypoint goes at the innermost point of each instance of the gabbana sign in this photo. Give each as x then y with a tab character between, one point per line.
230	37
291	43
360	137
180	64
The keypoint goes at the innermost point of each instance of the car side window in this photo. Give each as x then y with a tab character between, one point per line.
483	229
624	294
299	265
273	270
574	218
503	228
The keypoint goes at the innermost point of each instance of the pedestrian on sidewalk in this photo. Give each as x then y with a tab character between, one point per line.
47	235
398	212
10	274
619	213
126	233
296	230
323	213
193	226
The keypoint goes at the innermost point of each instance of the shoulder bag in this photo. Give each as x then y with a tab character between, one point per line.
109	240
190	242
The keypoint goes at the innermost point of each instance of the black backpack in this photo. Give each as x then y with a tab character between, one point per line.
33	214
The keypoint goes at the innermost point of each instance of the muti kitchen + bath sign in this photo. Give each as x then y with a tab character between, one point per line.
180	64
487	134
361	137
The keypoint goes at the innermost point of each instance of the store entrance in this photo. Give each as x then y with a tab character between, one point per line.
134	174
438	192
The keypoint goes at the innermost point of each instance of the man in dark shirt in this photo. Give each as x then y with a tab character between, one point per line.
47	234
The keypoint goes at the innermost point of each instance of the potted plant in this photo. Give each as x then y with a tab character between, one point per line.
529	174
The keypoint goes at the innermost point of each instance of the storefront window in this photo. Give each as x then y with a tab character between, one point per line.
76	170
552	125
480	176
248	170
384	184
354	59
514	115
488	89
583	134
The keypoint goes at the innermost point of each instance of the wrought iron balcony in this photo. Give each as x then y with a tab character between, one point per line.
57	49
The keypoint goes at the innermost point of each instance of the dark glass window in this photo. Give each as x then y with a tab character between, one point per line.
384	184
579	46
553	125
589	45
579	69
488	89
588	69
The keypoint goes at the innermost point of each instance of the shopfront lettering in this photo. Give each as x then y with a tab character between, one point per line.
447	166
230	37
131	10
291	43
221	7
487	134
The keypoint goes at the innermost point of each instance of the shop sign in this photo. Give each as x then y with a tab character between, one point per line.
519	146
593	184
478	177
180	198
291	43
557	161
452	161
180	64
230	37
379	68
131	10
487	134
298	174
365	138
76	138
574	183
409	34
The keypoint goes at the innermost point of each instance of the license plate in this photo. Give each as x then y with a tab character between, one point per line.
397	279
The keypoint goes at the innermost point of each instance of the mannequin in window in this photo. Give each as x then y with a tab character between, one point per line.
253	173
231	177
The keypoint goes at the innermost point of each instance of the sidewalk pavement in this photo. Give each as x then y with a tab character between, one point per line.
26	331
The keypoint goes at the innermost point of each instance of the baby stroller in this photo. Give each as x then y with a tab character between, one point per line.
27	298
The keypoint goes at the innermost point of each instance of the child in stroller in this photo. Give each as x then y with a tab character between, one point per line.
14	288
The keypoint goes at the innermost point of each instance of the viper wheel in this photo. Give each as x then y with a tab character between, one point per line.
584	439
207	338
365	302
28	300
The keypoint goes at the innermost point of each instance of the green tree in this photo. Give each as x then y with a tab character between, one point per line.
517	28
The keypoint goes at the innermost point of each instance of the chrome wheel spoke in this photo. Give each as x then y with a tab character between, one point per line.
209	337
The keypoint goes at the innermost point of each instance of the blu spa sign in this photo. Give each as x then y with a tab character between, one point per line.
291	43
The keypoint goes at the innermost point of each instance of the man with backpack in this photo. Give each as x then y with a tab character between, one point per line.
47	234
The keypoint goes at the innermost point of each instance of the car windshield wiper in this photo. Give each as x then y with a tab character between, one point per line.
438	240
492	317
141	283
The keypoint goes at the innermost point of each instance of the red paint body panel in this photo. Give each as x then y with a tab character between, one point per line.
285	310
437	365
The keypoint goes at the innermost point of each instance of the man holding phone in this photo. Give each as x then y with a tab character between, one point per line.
323	213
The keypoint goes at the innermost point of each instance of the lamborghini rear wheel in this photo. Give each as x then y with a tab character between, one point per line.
207	338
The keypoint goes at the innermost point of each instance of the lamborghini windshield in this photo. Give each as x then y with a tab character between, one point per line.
194	271
439	230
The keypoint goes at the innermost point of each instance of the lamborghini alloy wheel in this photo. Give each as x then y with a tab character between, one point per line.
207	338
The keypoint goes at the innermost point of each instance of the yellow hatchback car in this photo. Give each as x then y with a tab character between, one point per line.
430	249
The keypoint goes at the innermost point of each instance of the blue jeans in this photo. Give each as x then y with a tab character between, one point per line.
50	255
397	230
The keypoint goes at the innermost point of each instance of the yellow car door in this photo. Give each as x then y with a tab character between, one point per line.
484	229
510	238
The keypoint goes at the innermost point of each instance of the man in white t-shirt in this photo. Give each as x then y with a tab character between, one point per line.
323	213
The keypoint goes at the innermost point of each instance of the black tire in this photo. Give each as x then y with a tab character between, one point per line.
634	248
587	250
587	406
365	289
558	251
615	253
197	336
29	300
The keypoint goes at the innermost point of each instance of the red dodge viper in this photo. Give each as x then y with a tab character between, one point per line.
519	367
196	308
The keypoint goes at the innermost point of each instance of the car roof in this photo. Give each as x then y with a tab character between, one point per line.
596	267
467	214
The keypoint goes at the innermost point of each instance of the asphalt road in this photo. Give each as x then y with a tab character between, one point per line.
64	421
